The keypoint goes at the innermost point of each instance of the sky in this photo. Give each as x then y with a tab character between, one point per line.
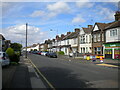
47	19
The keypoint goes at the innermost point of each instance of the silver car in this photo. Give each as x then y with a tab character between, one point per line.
4	59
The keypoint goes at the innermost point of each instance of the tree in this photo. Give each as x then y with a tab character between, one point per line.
16	46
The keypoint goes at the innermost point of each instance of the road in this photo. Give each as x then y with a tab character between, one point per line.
73	74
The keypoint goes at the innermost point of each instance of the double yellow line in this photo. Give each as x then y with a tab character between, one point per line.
108	65
38	71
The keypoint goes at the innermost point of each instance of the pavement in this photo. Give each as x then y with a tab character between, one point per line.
24	74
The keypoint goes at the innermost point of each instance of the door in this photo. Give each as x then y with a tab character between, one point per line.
117	54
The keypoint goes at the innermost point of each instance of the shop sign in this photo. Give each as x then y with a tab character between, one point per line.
112	45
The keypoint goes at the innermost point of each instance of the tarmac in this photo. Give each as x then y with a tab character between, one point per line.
24	74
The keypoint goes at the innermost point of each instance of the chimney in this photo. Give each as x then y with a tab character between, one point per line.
90	26
57	37
77	29
62	35
68	33
117	16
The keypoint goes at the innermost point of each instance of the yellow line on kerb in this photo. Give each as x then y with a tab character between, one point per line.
107	65
51	86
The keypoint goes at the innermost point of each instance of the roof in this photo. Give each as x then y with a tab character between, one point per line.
102	25
2	37
87	30
72	35
113	25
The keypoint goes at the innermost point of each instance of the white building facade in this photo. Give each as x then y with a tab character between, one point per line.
85	43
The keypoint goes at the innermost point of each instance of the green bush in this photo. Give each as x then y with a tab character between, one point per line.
10	52
13	56
61	52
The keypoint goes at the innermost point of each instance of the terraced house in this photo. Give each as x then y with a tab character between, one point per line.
112	44
98	38
4	44
70	42
85	43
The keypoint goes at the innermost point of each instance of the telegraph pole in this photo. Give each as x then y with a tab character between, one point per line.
26	41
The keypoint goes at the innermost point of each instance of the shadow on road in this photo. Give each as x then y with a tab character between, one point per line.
63	78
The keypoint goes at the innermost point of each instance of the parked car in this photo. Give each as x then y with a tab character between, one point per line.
39	52
34	52
53	54
71	55
4	59
48	53
43	53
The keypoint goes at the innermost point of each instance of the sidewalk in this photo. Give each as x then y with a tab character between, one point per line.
21	76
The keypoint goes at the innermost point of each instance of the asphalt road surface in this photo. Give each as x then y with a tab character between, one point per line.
73	74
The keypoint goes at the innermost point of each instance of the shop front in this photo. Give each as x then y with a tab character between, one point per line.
112	50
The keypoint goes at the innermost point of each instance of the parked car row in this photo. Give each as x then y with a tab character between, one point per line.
49	54
4	59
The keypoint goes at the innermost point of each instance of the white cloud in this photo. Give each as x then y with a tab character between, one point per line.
78	19
59	7
37	13
107	13
17	34
60	0
86	4
52	10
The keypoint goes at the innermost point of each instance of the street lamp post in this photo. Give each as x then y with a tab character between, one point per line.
26	41
57	40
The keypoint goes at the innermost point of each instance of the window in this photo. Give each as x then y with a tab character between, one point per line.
90	38
83	39
94	38
86	40
102	37
98	37
75	40
67	42
86	50
81	50
95	50
113	32
98	50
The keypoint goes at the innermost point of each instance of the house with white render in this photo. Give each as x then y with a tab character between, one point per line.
85	37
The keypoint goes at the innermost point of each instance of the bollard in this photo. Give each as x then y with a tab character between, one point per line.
85	56
88	57
94	58
101	59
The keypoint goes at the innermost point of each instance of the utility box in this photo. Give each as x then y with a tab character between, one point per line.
0	76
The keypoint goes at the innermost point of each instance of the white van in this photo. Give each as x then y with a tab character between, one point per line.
4	59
